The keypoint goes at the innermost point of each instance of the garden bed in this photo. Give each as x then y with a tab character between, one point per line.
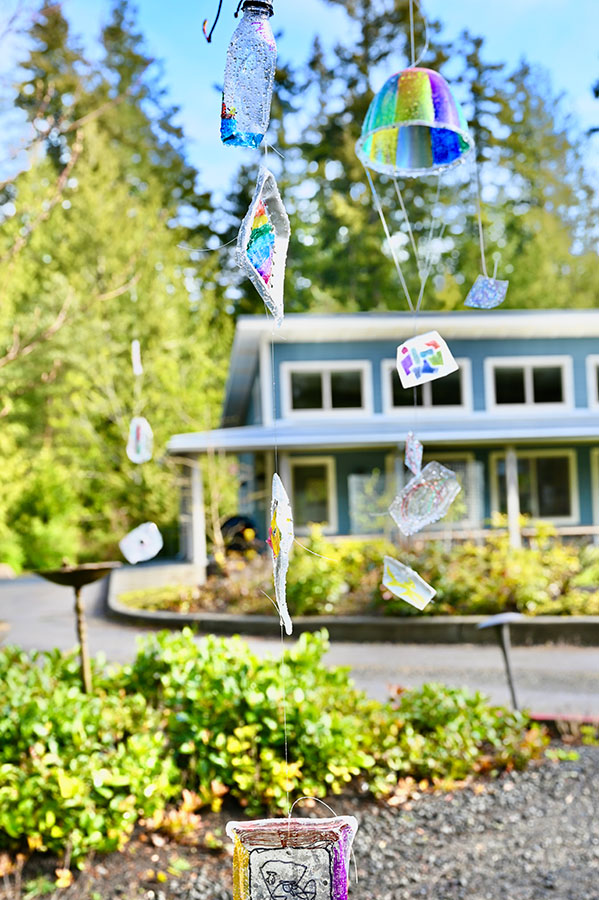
547	578
514	837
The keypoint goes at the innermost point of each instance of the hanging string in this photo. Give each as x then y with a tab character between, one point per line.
331	810
209	249
207	35
379	209
420	56
408	224
429	248
319	555
412	41
479	216
282	676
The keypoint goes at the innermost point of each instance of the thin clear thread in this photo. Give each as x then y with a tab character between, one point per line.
429	252
409	226
412	39
331	810
281	673
479	216
379	209
319	555
426	34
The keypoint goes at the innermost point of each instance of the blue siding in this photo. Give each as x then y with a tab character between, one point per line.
358	462
254	411
352	462
475	350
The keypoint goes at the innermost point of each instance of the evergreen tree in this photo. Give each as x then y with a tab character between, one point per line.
117	258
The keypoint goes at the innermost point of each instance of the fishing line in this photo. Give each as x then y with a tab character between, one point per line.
479	216
331	810
379	209
319	555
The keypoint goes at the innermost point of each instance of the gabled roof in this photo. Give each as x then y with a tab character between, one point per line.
254	332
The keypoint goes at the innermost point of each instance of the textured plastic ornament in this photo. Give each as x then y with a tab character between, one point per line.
140	445
414	126
262	244
486	293
136	364
249	78
292	859
425	499
143	543
280	540
406	584
413	455
424	358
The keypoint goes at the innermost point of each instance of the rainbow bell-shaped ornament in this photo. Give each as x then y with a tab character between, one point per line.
414	126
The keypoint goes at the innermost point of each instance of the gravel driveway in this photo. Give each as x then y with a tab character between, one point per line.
526	836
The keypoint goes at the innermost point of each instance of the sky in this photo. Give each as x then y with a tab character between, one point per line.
561	35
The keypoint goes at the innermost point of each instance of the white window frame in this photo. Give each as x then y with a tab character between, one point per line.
388	366
326	368
528	363
332	525
574	517
592	364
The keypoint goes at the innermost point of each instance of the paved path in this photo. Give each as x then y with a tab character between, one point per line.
550	679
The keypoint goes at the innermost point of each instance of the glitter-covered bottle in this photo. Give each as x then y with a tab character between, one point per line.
249	77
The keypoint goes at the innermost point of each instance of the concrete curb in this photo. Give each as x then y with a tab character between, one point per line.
578	630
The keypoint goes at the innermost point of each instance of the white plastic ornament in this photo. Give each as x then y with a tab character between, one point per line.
138	369
141	544
140	445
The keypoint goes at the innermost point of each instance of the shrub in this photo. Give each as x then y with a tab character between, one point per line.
226	722
74	769
77	771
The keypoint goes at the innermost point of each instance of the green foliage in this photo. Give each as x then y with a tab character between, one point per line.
78	770
74	770
81	279
549	577
226	722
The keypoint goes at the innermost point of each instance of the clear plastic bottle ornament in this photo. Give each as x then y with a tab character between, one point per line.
249	77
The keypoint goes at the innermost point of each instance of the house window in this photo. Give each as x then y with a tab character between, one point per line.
546	485
540	382
451	391
314	493
593	380
326	387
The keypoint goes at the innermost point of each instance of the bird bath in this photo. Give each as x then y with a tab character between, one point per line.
77	577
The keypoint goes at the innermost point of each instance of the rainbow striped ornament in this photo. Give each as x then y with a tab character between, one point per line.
262	244
414	126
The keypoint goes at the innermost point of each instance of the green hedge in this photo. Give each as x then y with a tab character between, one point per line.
549	577
78	770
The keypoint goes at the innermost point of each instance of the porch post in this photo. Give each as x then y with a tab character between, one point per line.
513	497
199	555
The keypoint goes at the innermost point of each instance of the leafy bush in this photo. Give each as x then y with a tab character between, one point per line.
74	769
226	722
549	577
78	770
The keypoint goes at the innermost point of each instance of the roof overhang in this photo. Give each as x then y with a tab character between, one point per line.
386	431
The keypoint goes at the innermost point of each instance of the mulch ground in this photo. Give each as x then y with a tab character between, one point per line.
524	836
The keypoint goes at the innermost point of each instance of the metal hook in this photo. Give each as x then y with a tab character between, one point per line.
207	35
239	5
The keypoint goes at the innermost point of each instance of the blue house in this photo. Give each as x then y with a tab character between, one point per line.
320	398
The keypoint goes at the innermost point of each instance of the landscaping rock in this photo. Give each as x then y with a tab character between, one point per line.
526	836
